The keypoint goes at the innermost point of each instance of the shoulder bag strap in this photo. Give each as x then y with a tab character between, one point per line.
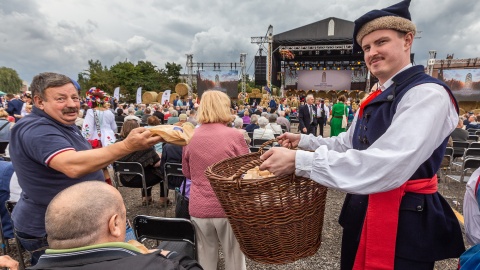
97	124
4	125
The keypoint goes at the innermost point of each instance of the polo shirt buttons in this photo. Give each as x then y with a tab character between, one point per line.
419	208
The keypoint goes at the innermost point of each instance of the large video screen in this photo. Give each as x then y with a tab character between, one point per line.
324	79
464	83
225	81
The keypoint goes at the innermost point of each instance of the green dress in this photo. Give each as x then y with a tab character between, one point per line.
338	110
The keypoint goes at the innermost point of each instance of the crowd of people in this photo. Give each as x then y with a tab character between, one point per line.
393	216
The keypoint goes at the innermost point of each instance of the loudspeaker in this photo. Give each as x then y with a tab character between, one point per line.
260	70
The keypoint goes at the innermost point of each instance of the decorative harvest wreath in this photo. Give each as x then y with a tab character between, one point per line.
97	95
287	54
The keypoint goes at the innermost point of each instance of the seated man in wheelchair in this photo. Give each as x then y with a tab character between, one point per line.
86	226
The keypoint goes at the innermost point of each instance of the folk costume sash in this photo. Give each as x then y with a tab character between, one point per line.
376	249
367	100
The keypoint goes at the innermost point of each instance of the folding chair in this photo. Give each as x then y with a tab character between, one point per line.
10	205
172	170
177	234
468	164
446	165
259	142
254	149
473	138
119	126
250	134
129	168
4	241
459	150
471	153
3	146
474	145
477	133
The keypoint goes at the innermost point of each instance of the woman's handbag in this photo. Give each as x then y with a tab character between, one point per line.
181	208
344	120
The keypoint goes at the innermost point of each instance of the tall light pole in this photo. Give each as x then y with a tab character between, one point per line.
431	61
270	55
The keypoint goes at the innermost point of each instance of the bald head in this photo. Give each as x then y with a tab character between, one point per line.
84	214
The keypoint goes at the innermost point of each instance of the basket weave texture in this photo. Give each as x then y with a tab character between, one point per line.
276	220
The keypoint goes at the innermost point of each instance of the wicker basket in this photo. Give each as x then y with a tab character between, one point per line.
276	220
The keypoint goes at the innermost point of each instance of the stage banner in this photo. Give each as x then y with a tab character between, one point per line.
116	93
464	83
324	79
225	81
139	95
166	96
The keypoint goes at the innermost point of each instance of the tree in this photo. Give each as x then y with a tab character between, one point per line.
172	74
148	76
124	74
95	76
10	82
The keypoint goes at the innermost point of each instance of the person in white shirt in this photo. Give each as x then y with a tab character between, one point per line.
322	114
263	132
272	125
388	160
471	209
131	116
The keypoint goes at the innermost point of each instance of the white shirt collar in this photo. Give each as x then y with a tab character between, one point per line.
389	82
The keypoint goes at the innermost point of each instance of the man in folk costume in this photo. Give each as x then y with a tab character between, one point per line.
393	217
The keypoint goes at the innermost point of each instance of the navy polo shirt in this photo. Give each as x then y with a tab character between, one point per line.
35	140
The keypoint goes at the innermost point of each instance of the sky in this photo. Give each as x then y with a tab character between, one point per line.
61	36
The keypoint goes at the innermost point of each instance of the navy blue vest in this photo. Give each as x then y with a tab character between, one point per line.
378	115
427	228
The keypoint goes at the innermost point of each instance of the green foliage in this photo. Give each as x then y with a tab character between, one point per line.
129	77
249	85
10	82
172	74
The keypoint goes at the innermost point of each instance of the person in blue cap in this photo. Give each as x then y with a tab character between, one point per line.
393	217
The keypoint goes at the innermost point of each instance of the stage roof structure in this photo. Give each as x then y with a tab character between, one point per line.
326	44
322	32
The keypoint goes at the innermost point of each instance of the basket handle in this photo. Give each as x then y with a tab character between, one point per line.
237	177
265	144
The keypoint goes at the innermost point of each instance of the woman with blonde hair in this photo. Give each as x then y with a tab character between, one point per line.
212	141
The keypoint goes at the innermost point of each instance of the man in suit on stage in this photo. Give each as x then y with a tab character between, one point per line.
306	116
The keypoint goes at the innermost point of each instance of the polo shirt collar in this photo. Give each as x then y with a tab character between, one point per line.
86	255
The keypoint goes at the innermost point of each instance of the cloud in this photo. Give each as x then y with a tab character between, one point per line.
62	36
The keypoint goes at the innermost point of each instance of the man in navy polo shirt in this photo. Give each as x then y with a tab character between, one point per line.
49	154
